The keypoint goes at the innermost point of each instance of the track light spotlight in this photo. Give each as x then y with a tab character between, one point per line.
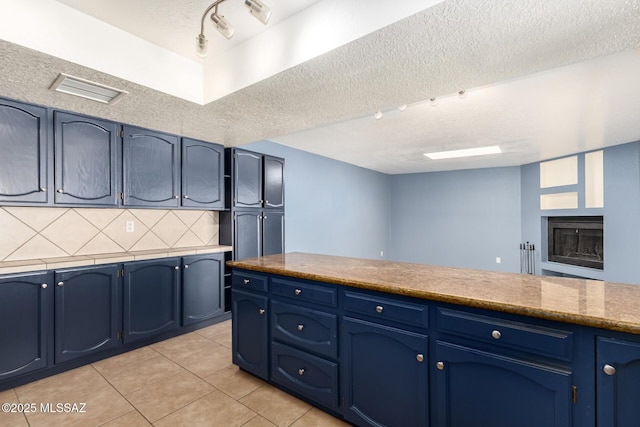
222	25
259	10
256	7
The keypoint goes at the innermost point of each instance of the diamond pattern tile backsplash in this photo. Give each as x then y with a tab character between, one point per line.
35	232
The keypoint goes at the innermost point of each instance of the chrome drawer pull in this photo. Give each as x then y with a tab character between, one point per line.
60	284
609	370
261	311
300	327
246	281
297	292
43	286
496	334
420	357
440	366
379	309
301	371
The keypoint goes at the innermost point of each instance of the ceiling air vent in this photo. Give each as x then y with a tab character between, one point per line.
87	89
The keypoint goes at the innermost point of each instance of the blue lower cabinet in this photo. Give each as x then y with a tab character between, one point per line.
88	311
384	375
250	332
151	298
202	288
301	372
475	388
617	382
26	315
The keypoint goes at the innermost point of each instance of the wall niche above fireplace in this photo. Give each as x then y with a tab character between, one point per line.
576	240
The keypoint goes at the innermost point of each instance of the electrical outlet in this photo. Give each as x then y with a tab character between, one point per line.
498	260
381	253
129	227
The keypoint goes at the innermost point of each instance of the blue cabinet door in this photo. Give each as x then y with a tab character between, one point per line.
202	288
247	234
273	182
272	232
247	176
86	160
202	174
88	311
250	333
151	163
24	160
384	375
25	323
474	388
617	382
151	298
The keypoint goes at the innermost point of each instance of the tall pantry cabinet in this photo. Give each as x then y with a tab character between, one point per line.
254	225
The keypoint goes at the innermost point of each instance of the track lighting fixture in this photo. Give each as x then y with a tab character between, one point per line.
256	7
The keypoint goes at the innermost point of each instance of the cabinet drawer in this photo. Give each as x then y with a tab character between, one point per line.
308	375
249	281
533	339
307	329
302	291
387	309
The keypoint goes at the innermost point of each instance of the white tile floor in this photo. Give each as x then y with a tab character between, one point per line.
184	381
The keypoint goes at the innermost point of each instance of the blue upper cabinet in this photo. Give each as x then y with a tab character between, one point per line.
151	168
202	174
273	182
23	144
86	160
247	178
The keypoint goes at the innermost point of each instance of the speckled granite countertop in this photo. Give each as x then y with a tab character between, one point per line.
584	302
23	266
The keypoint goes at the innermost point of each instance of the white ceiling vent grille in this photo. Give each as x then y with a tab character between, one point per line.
87	89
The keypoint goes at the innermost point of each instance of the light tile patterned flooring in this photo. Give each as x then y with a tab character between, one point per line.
184	381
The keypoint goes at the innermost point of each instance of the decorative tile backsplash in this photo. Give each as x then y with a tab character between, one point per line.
37	232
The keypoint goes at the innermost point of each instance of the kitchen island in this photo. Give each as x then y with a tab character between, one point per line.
389	343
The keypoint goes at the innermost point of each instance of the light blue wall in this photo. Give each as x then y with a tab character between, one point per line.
458	218
331	207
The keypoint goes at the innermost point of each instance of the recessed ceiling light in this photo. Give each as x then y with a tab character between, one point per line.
378	115
402	107
87	89
467	152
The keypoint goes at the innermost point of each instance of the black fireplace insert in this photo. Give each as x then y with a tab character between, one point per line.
576	240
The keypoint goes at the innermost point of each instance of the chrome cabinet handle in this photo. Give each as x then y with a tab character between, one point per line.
264	217
440	366
43	286
246	281
177	267
43	189
60	190
379	309
186	266
176	197
186	197
300	327
297	292
496	334
301	371
60	284
420	357
261	311
609	370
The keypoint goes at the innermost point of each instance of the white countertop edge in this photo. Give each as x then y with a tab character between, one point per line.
24	266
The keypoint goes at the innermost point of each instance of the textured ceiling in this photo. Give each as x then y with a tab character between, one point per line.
458	44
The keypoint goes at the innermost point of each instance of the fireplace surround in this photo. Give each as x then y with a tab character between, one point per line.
576	240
